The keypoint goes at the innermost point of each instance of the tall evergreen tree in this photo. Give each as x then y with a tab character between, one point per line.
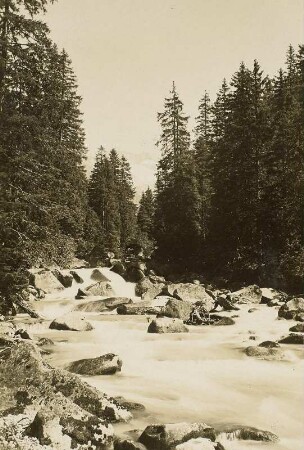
145	221
178	207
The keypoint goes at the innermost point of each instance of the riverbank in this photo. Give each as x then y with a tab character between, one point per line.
200	376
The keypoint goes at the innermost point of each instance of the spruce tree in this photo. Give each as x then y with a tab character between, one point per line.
178	206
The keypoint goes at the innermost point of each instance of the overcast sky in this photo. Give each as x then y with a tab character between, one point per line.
126	53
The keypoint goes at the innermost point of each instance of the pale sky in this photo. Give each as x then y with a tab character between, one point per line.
126	53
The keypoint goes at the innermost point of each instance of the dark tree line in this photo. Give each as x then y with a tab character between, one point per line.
42	178
230	202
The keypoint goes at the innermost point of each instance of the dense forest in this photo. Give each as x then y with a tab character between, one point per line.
228	197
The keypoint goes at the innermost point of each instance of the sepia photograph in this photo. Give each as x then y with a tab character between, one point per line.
151	224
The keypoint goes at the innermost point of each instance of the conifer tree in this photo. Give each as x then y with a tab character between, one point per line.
178	206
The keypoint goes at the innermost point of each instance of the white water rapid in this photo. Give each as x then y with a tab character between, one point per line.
202	375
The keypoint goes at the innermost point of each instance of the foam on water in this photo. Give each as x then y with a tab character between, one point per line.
202	375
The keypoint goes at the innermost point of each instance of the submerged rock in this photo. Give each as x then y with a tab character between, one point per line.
178	309
130	406
293	338
298	328
71	322
168	436
43	341
266	353
292	308
224	321
200	444
269	344
102	365
106	304
251	434
167	325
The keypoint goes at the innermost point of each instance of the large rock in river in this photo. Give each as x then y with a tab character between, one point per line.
105	304
292	308
148	290
102	289
293	338
178	309
249	294
38	384
64	277
97	275
192	293
102	365
266	353
71	322
168	436
45	280
251	434
138	309
167	325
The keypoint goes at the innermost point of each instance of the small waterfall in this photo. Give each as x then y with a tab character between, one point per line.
61	302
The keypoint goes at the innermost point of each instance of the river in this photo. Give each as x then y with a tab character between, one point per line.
200	376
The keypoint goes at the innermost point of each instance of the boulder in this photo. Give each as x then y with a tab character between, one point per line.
128	444
178	309
224	321
97	275
266	353
298	328
77	263
300	317
102	365
102	288
293	338
45	280
168	436
61	430
192	293
119	268
200	444
272	295
269	344
106	304
71	322
138	309
148	290
64	277
224	302
81	294
22	334
130	406
7	328
134	274
167	325
251	434
43	341
292	308
76	276
36	384
249	294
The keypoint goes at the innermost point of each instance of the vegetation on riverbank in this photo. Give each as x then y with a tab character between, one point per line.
227	203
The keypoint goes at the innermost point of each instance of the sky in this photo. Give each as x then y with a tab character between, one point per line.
126	54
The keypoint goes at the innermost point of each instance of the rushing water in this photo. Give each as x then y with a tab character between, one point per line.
198	376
